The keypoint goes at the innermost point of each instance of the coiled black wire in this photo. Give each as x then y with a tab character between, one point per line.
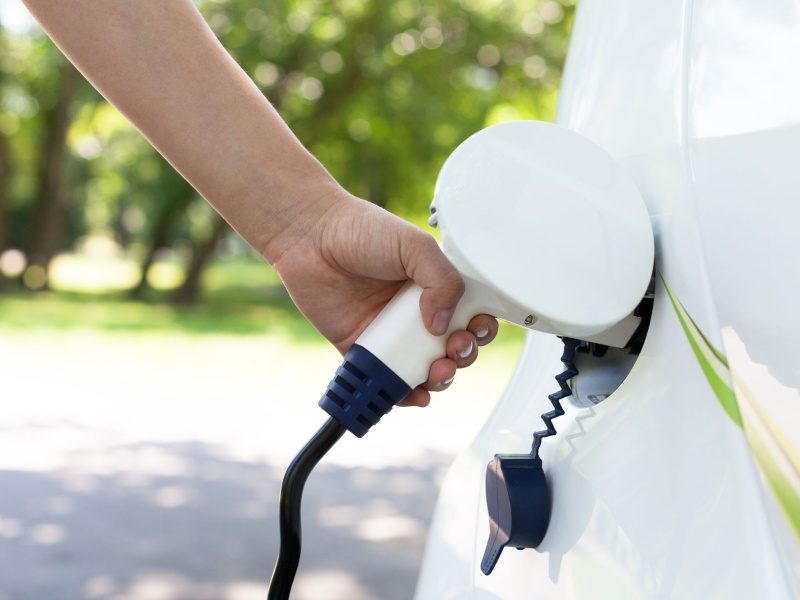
289	506
568	357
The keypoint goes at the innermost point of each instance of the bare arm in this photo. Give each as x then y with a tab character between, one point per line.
162	67
340	258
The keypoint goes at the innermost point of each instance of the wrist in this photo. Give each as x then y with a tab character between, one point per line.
298	213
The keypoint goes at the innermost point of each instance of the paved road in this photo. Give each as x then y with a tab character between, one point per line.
147	468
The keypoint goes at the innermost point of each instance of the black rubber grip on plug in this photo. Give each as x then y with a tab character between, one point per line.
363	390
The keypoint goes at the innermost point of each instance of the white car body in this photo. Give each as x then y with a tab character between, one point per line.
685	482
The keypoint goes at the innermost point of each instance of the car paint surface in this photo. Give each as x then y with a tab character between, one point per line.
663	490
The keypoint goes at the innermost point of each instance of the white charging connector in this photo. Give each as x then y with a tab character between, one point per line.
549	233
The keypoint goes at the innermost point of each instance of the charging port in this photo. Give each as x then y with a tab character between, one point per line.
602	369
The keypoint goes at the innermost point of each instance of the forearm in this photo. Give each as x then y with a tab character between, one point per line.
162	67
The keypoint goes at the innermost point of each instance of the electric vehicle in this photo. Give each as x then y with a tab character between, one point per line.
675	472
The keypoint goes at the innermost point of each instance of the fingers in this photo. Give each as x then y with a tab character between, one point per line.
462	351
462	346
484	328
441	283
419	396
441	375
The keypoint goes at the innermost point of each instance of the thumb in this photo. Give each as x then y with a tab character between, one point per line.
440	281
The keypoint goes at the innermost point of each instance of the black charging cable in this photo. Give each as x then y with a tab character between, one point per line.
362	391
289	506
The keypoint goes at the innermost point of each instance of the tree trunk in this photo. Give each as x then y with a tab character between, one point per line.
5	180
178	194
5	175
189	291
159	239
51	209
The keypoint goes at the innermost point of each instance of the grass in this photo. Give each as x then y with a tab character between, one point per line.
241	370
240	297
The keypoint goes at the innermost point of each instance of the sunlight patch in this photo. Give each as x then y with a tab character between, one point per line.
381	529
48	534
245	590
10	528
171	496
99	587
329	585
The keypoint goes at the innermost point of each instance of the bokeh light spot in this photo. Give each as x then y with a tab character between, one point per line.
266	74
532	24
551	12
534	67
13	262
359	129
407	42
432	37
311	89
298	22
331	62
488	55
35	277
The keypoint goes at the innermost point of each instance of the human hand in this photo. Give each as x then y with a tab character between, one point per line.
343	260
340	258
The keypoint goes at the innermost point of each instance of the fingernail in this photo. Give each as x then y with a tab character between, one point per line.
447	382
482	332
466	351
441	320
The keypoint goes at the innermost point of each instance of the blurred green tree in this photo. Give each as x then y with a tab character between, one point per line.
383	91
5	159
52	201
380	91
39	91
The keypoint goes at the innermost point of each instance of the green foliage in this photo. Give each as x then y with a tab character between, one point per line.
28	70
380	91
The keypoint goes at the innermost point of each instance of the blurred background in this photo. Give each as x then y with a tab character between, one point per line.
155	379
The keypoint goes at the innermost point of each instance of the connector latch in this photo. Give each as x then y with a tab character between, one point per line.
518	503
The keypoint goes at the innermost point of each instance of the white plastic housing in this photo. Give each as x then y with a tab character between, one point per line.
548	232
